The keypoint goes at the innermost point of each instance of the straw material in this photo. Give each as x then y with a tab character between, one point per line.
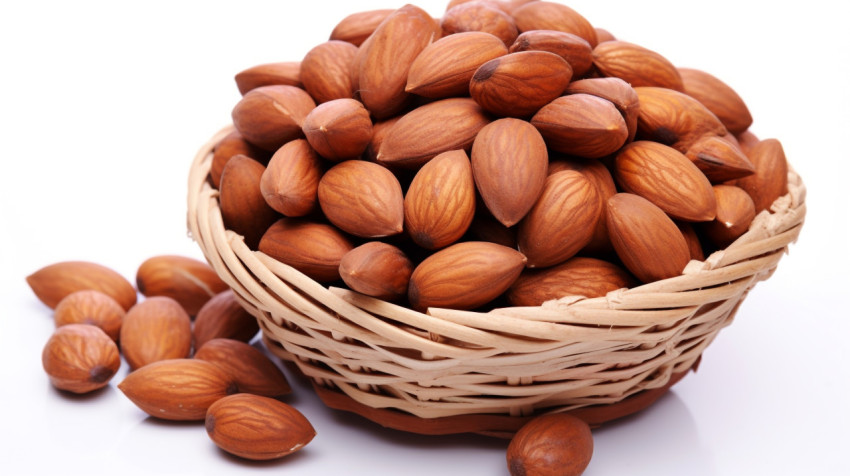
401	367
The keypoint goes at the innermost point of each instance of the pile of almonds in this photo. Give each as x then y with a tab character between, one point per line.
187	346
507	153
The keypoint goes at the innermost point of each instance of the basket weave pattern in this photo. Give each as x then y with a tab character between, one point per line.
562	356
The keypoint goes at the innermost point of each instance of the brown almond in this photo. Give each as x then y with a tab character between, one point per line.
464	276
574	49
770	180
189	281
223	317
89	306
80	358
647	241
479	16
551	444
692	238
718	97
619	92
719	159
561	222
177	389
645	168
338	129
553	16
270	116
356	27
232	145
377	269
673	118
290	182
578	276
314	249
746	141
582	125
256	427
244	210
379	131
519	84
636	65
603	35
269	74
326	71
735	212
155	329
509	164
444	68
54	282
246	365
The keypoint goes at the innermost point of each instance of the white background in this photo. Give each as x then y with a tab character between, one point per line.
104	104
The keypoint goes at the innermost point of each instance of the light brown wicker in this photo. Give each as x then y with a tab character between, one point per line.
454	371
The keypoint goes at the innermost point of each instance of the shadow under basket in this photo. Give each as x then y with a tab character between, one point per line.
451	371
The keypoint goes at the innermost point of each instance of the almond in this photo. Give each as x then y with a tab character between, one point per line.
770	180
692	238
553	16
746	141
177	389
223	317
578	276
338	129
647	241
553	443
666	178
377	269
355	28
53	282
479	16
432	129
188	281
314	249
582	125
604	35
574	49
719	159
673	118
519	84
636	65
290	183
286	73
232	145
509	164
444	68
244	210
326	71
362	198
89	306
270	116
735	212
379	131
718	97
247	366
256	427
80	358
157	328
464	276
619	92
561	222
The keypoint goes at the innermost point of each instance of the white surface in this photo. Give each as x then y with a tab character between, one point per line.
105	103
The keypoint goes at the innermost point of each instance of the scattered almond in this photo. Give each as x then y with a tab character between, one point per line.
248	367
80	358
157	328
188	281
223	317
93	307
54	282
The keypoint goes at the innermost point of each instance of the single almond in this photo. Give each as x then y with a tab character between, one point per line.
479	16
326	71
53	282
244	210
770	180
718	97
719	159
80	358
223	317
553	16
268	74
338	129
246	365
290	183
674	118
636	65
692	238
89	306
232	145
270	116
735	212
188	281
177	389
157	328
256	427
312	248
619	92
574	49
578	276
379	131
604	35
746	141
356	27
377	269
582	125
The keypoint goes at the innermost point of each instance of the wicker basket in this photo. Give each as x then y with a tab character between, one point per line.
457	371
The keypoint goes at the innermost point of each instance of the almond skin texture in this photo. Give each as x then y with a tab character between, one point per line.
338	129
549	445
582	125
314	249
80	358
247	366
270	116
478	16
257	428
509	164
232	145
326	71
223	317
286	73
692	238
440	202
444	68
177	389
428	130
290	183
553	16
157	328
464	276
574	49
561	222
90	307
519	84
579	276
355	28
386	58
619	92
636	65
647	241
673	118
189	281
770	180
735	212
718	97
377	269
666	178
244	210
55	281
362	198
719	159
